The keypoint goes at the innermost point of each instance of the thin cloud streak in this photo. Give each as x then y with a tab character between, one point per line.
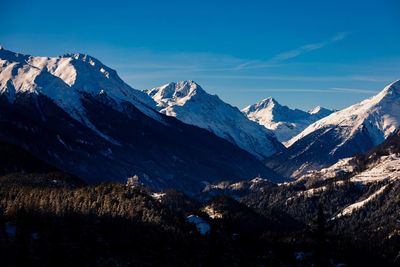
169	73
284	56
354	90
296	90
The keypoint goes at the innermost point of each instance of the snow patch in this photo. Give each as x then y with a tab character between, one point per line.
358	205
202	226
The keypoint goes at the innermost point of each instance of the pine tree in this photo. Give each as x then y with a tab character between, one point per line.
320	236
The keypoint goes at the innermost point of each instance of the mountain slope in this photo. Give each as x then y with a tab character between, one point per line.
378	164
19	167
188	102
79	116
342	134
283	121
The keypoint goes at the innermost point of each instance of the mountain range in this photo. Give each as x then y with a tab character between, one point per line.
78	115
283	121
342	134
103	169
190	103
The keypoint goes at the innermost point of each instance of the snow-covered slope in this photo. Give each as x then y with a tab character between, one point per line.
379	114
64	79
342	134
188	102
385	168
282	120
360	204
388	167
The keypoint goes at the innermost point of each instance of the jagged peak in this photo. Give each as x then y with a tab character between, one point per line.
22	58
79	73
269	102
84	58
315	110
188	87
390	94
177	89
393	88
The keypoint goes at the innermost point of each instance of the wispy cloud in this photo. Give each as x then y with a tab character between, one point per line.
307	48
354	90
281	57
308	90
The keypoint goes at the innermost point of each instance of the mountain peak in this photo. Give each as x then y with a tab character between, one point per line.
84	58
65	78
351	130
284	121
315	110
392	89
188	102
267	103
320	111
188	87
182	90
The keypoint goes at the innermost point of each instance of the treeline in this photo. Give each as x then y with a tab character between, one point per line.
49	220
104	225
370	235
106	200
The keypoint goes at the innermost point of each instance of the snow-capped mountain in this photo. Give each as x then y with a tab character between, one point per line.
188	102
78	115
342	134
64	79
283	121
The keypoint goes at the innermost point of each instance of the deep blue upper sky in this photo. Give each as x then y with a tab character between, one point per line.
304	53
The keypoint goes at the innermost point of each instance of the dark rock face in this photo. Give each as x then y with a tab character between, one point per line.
164	155
315	150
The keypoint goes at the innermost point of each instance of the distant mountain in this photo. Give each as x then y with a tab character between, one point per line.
342	134
283	121
188	102
77	115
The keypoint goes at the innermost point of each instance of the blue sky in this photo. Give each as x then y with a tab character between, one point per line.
304	53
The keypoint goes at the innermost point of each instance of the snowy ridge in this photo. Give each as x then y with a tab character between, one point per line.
188	102
387	168
358	205
380	114
64	79
343	166
282	120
